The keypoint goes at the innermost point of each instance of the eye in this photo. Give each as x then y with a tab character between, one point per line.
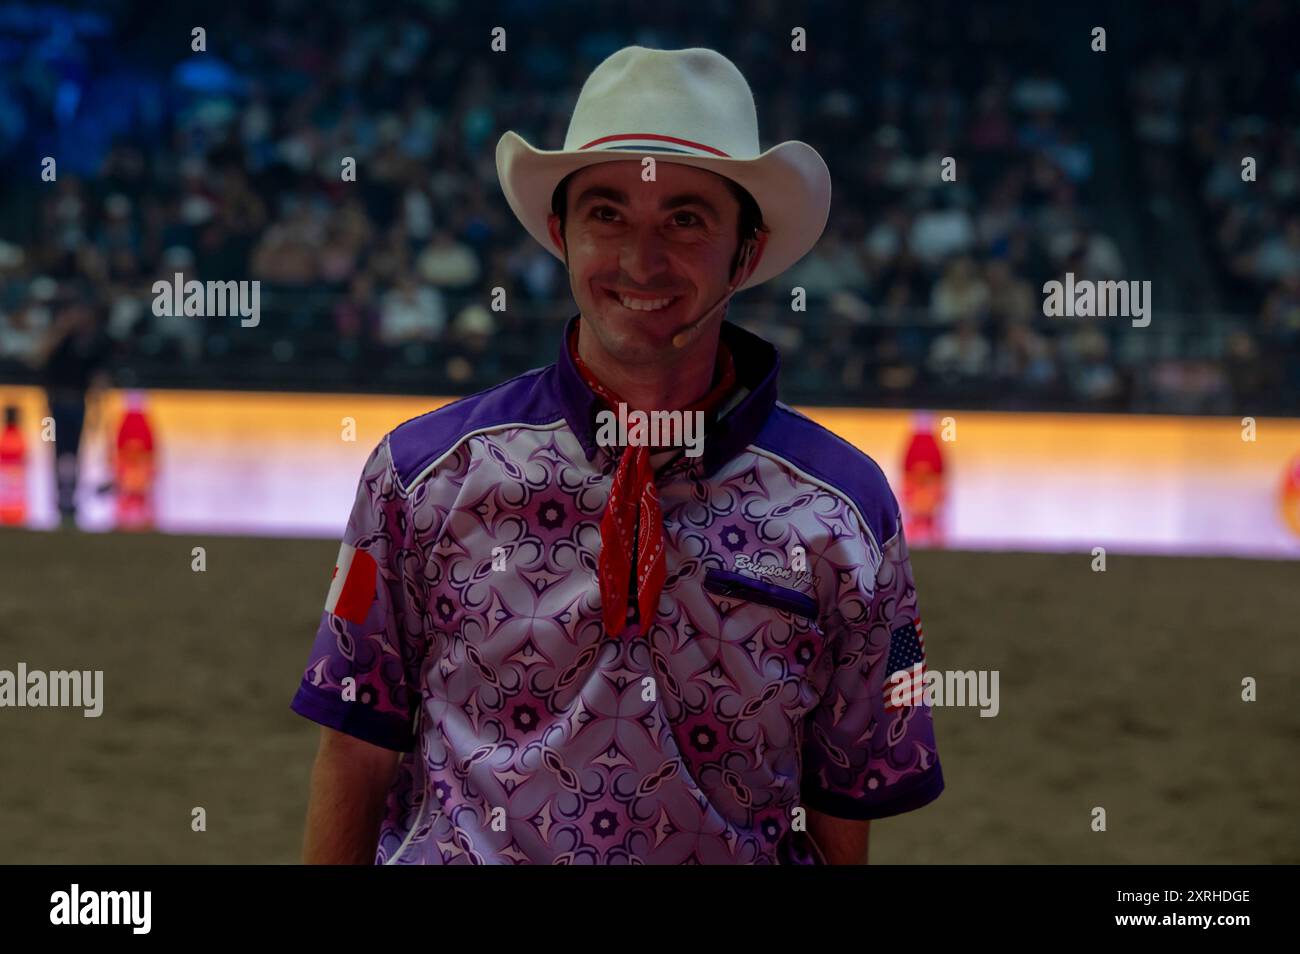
691	217
596	213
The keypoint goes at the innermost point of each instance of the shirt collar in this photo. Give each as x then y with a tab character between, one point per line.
724	380
757	365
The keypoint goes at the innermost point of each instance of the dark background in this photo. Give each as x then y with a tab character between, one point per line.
225	165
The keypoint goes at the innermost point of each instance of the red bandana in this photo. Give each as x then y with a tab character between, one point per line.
634	495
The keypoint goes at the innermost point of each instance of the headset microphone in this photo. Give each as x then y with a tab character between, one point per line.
682	337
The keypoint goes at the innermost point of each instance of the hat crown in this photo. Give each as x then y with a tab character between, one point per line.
692	101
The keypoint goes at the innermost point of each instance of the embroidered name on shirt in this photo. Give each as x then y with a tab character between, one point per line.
745	562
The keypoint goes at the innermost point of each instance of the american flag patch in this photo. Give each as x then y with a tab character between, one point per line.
906	665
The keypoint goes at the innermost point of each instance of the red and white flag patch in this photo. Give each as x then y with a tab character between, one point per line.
356	577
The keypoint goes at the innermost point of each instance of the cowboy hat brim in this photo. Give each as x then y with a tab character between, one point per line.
790	183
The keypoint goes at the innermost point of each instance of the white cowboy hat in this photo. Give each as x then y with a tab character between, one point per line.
691	107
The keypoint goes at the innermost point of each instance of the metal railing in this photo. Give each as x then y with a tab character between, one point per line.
1179	363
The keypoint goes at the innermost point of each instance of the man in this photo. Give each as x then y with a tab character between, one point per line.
591	646
72	359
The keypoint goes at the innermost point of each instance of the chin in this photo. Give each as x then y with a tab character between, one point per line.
630	336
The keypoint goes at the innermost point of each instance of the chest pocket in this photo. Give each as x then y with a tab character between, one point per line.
750	590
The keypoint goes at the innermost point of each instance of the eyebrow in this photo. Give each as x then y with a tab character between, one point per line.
667	205
592	193
689	198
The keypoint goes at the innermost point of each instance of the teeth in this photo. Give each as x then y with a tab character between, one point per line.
636	304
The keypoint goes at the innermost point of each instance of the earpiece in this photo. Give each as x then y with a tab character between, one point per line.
742	262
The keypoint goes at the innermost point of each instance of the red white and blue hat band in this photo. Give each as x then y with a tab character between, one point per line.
652	142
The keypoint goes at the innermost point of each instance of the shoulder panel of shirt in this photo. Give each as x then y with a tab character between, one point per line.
826	459
418	445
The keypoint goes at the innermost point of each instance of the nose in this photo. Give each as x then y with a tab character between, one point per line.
643	257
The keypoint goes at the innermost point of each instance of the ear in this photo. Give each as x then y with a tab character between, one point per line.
757	246
553	230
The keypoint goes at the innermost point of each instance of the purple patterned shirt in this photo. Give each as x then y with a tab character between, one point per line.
472	638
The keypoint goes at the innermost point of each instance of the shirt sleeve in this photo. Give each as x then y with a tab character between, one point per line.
869	749
364	664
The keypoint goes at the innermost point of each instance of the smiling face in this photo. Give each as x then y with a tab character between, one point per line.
647	258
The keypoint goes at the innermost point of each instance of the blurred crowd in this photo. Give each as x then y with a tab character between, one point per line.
227	164
1252	110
